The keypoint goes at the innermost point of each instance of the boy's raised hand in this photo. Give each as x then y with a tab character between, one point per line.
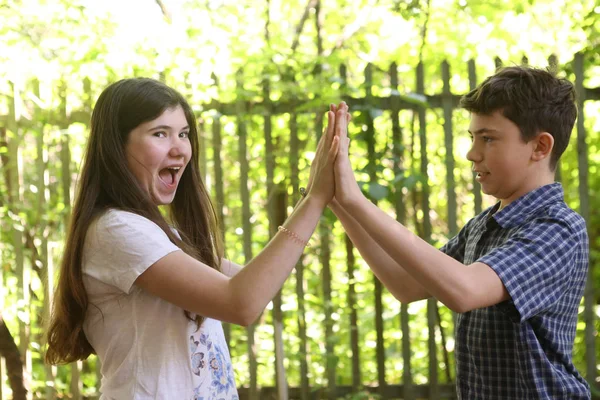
346	187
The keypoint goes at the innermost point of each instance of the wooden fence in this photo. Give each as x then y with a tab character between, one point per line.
31	133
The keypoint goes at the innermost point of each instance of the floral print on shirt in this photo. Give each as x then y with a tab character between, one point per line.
211	363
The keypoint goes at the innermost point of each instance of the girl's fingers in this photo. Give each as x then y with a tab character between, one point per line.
321	153
330	124
319	145
322	141
333	137
328	131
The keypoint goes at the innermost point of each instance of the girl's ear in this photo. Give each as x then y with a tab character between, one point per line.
544	143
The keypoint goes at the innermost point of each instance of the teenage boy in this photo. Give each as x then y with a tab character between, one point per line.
515	274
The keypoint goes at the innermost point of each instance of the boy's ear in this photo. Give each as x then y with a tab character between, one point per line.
544	143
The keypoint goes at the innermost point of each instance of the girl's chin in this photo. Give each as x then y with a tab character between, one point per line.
162	199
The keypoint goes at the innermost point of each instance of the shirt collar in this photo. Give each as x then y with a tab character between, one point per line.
519	210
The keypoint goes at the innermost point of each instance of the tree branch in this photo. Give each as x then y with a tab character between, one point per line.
300	26
268	24
4	164
165	10
424	31
319	27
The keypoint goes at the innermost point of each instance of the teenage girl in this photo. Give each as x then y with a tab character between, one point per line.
142	282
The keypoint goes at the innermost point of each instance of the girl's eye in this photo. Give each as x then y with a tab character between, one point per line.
184	134
160	134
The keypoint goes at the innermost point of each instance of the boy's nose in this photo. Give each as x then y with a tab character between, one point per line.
473	155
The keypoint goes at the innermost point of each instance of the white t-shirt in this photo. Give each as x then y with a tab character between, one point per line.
147	346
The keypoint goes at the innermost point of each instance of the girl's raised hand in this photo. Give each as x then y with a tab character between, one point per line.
321	183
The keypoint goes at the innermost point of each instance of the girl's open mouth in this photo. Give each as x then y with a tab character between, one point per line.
169	175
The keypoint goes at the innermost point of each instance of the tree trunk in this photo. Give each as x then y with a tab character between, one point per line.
14	365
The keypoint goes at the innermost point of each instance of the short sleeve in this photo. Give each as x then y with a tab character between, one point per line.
120	246
455	247
535	265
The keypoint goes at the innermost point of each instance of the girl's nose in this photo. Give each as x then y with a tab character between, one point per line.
176	149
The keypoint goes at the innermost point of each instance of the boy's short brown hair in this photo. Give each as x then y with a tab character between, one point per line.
534	99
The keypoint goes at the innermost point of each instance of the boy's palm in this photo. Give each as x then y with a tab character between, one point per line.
346	187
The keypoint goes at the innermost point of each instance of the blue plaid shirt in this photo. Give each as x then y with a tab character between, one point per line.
522	348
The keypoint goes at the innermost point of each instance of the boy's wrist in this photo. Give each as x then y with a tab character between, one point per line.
352	204
334	205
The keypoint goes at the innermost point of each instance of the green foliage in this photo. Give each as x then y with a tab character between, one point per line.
364	395
61	43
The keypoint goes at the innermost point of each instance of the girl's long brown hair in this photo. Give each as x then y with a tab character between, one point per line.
106	182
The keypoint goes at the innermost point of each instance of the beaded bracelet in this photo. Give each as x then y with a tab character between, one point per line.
293	236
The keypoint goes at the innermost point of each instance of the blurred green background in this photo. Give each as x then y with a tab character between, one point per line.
259	75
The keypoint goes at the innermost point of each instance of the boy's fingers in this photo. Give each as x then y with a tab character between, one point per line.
341	126
343	149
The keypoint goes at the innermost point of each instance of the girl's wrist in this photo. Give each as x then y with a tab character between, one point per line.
315	201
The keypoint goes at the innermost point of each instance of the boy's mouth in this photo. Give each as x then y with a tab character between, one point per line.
481	174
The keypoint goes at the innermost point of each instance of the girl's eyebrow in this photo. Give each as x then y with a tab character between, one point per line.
167	127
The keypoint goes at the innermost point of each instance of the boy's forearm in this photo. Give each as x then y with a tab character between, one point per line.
404	287
440	275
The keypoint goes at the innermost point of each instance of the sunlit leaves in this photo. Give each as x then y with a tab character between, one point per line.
62	42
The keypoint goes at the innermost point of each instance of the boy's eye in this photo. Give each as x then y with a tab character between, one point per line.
487	139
